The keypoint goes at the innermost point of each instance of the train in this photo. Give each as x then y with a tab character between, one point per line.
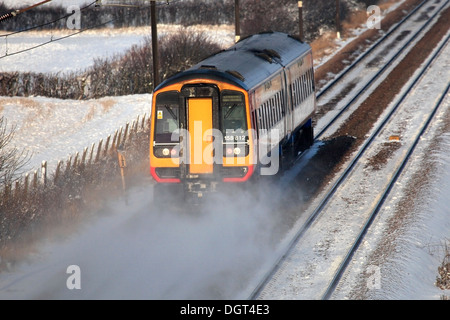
240	114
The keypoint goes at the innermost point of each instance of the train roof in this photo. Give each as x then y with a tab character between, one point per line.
248	62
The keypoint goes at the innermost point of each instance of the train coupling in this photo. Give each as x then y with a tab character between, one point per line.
199	189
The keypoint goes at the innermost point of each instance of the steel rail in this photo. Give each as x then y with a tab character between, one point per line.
379	73
366	53
343	266
314	215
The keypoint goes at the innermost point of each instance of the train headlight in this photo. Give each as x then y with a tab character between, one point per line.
236	150
165	151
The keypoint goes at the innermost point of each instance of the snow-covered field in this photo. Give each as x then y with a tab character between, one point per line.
198	252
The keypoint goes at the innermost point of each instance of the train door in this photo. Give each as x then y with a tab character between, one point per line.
201	105
200	125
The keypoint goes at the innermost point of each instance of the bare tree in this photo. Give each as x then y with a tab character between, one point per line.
12	160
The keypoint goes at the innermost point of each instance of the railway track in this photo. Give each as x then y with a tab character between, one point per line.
338	275
372	79
375	62
362	77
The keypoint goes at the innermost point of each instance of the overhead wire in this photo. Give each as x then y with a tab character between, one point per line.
52	40
14	13
45	24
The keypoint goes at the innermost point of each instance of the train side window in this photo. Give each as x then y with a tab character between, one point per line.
308	82
280	116
259	119
264	118
297	92
269	114
272	113
267	108
304	86
300	90
294	94
276	105
274	110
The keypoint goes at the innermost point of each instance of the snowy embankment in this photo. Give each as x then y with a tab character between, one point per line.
53	129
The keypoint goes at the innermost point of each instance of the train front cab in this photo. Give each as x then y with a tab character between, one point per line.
200	135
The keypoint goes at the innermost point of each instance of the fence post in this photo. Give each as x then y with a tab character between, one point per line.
143	122
17	189
35	177
98	150
44	172
137	122
25	186
119	137
83	158
130	135
69	163
75	161
7	191
126	131
113	146
106	145
58	167
92	152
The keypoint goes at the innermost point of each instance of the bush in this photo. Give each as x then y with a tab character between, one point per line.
12	160
123	74
283	16
182	50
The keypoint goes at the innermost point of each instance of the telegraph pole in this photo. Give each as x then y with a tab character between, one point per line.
155	51
300	20
237	25
338	20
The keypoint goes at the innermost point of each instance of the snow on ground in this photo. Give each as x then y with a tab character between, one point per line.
70	54
52	129
77	52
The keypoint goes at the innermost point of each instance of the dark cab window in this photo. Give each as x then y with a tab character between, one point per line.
233	117
167	117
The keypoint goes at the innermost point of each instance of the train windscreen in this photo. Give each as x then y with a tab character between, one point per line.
167	117
234	123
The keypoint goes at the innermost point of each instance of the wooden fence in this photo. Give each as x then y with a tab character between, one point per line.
90	155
